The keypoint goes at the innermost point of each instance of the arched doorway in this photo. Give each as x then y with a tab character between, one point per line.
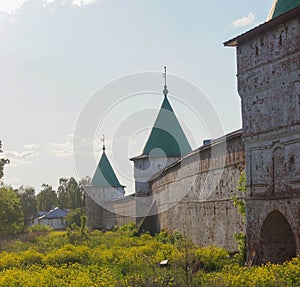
277	241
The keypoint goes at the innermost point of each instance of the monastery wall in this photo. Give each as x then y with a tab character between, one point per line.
269	85
194	195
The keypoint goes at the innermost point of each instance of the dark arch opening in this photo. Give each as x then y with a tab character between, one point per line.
277	241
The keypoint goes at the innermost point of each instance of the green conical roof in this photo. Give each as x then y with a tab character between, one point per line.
167	137
104	174
281	6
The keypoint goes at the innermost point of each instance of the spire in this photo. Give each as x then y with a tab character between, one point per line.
104	175
103	143
167	137
282	6
165	91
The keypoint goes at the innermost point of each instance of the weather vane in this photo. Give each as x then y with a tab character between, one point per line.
103	142
165	91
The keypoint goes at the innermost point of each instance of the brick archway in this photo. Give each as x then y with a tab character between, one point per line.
277	241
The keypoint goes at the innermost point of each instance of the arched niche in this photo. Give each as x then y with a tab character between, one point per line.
277	241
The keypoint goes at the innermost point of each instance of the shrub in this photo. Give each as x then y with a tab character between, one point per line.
68	254
212	258
40	228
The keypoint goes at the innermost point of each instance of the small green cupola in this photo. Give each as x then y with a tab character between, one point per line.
167	137
104	175
280	7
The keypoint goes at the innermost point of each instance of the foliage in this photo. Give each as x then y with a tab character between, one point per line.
28	201
70	194
73	217
241	242
241	208
39	228
78	234
117	258
11	214
212	258
46	199
238	202
3	161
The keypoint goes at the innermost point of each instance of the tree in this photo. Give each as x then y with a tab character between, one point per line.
28	201
47	198
11	213
70	194
73	217
3	161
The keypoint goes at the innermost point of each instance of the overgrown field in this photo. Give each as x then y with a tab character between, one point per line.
123	258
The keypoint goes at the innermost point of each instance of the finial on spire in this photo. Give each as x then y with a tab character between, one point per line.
165	91
103	142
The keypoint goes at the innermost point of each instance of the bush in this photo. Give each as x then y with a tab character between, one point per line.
212	258
68	254
40	228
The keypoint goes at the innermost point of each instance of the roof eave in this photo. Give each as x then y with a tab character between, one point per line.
262	28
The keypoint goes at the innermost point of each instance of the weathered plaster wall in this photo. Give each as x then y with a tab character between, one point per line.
107	207
269	85
194	195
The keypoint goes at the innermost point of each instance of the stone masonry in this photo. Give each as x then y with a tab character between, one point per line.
268	63
194	195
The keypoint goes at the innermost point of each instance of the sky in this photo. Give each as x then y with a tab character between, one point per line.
83	68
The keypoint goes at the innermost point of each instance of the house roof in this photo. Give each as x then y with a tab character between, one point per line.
104	175
280	7
166	137
54	213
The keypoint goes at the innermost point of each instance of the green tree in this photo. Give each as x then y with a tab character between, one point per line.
70	194
28	201
47	198
73	217
3	161
11	213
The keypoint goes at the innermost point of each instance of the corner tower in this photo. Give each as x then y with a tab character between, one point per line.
166	144
104	187
268	64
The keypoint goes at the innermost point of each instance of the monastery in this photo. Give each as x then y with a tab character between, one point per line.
177	188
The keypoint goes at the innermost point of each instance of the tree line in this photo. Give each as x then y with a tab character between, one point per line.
19	206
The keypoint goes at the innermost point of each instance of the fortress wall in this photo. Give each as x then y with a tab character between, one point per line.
269	85
194	196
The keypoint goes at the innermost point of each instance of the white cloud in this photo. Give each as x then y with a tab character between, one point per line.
11	6
83	2
245	21
32	146
62	149
19	158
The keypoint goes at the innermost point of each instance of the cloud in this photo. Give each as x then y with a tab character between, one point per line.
31	146
64	149
20	158
245	21
83	2
12	6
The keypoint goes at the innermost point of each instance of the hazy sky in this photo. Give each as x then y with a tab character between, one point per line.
56	54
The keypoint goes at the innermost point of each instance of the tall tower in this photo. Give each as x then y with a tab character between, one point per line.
104	187
268	64
166	144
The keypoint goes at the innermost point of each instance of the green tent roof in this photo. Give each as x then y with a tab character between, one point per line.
104	174
167	137
281	6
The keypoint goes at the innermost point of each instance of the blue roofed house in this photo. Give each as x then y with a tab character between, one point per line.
55	218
